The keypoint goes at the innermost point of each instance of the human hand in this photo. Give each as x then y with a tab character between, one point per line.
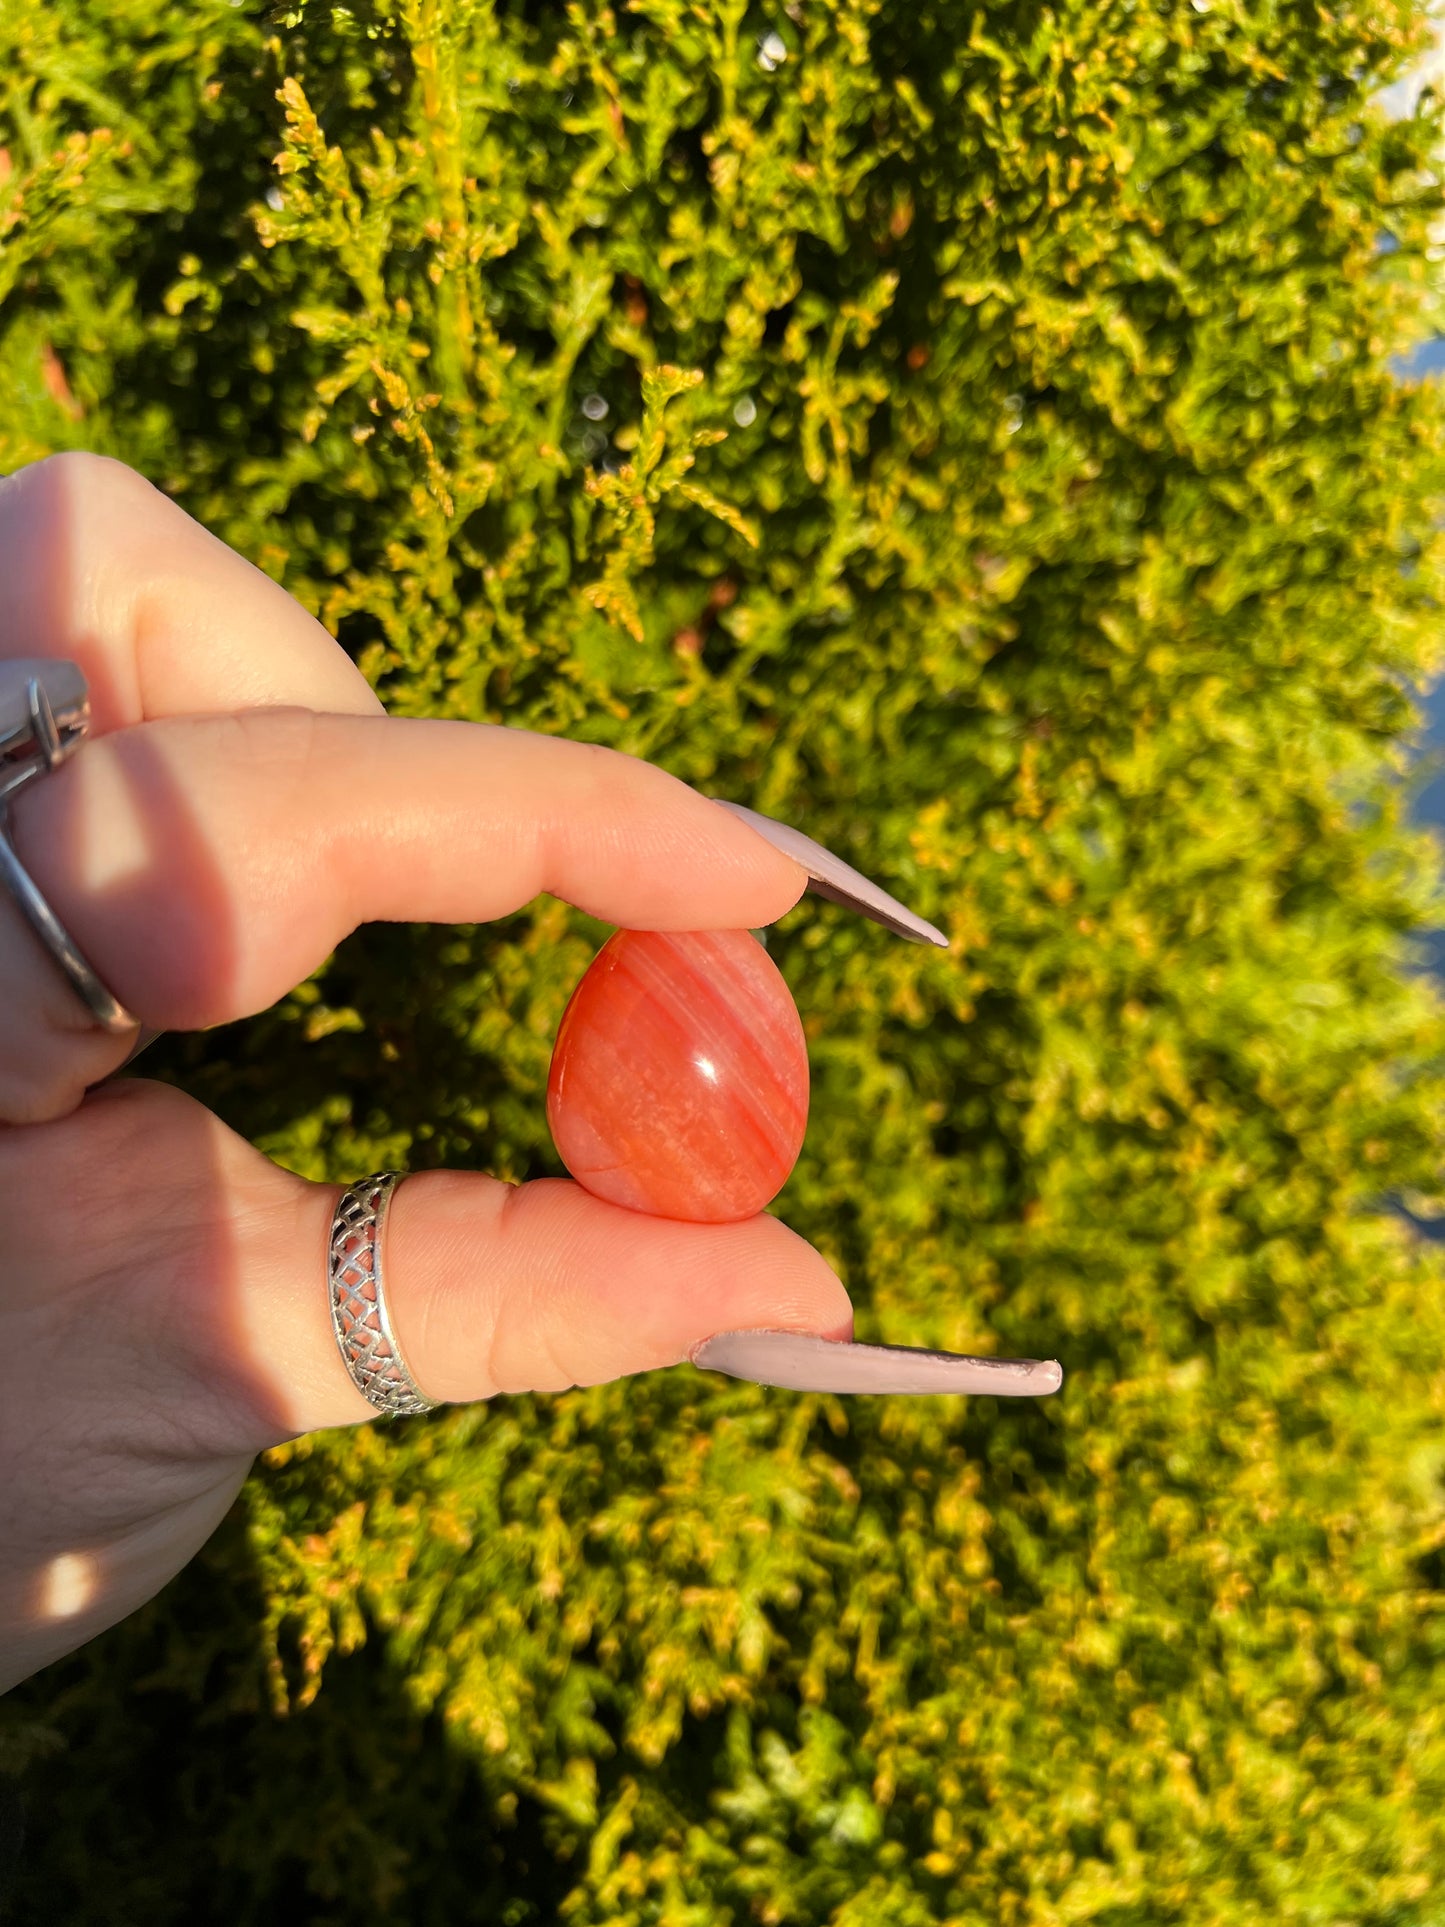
243	804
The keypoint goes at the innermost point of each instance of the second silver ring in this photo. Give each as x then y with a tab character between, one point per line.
44	716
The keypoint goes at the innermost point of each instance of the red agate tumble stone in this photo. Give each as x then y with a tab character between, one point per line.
679	1082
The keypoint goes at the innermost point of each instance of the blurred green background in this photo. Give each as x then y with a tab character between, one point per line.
965	431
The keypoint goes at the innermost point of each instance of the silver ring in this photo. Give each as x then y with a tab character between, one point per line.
44	714
368	1345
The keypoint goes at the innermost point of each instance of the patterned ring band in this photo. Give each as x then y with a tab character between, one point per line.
369	1347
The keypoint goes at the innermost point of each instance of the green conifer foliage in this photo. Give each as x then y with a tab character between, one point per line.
962	430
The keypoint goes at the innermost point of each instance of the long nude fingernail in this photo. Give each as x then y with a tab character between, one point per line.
800	1362
830	877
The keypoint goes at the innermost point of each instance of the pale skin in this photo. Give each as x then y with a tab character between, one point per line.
242	804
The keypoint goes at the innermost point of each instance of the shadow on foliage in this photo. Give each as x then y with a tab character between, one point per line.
354	1809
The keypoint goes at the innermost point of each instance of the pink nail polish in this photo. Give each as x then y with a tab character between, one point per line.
801	1362
830	877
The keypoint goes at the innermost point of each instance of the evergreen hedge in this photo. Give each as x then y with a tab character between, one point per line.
1001	478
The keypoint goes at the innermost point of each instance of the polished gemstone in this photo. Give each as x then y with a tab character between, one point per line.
679	1082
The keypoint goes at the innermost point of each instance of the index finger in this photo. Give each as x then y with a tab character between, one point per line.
206	864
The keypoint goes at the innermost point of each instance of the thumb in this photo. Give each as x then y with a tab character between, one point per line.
494	1287
540	1286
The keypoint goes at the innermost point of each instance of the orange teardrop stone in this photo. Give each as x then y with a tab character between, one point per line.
679	1081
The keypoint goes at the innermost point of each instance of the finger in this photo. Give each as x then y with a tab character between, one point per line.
175	1319
102	569
204	1283
537	1287
205	865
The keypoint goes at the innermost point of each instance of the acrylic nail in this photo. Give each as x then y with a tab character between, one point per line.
801	1362
830	877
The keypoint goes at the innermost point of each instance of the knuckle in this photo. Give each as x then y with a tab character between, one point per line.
97	476
531	1318
258	747
613	775
280	740
266	754
280	754
221	806
76	476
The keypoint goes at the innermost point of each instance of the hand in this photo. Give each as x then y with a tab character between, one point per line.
243	804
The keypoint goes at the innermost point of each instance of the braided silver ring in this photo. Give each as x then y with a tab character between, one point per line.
368	1345
44	714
